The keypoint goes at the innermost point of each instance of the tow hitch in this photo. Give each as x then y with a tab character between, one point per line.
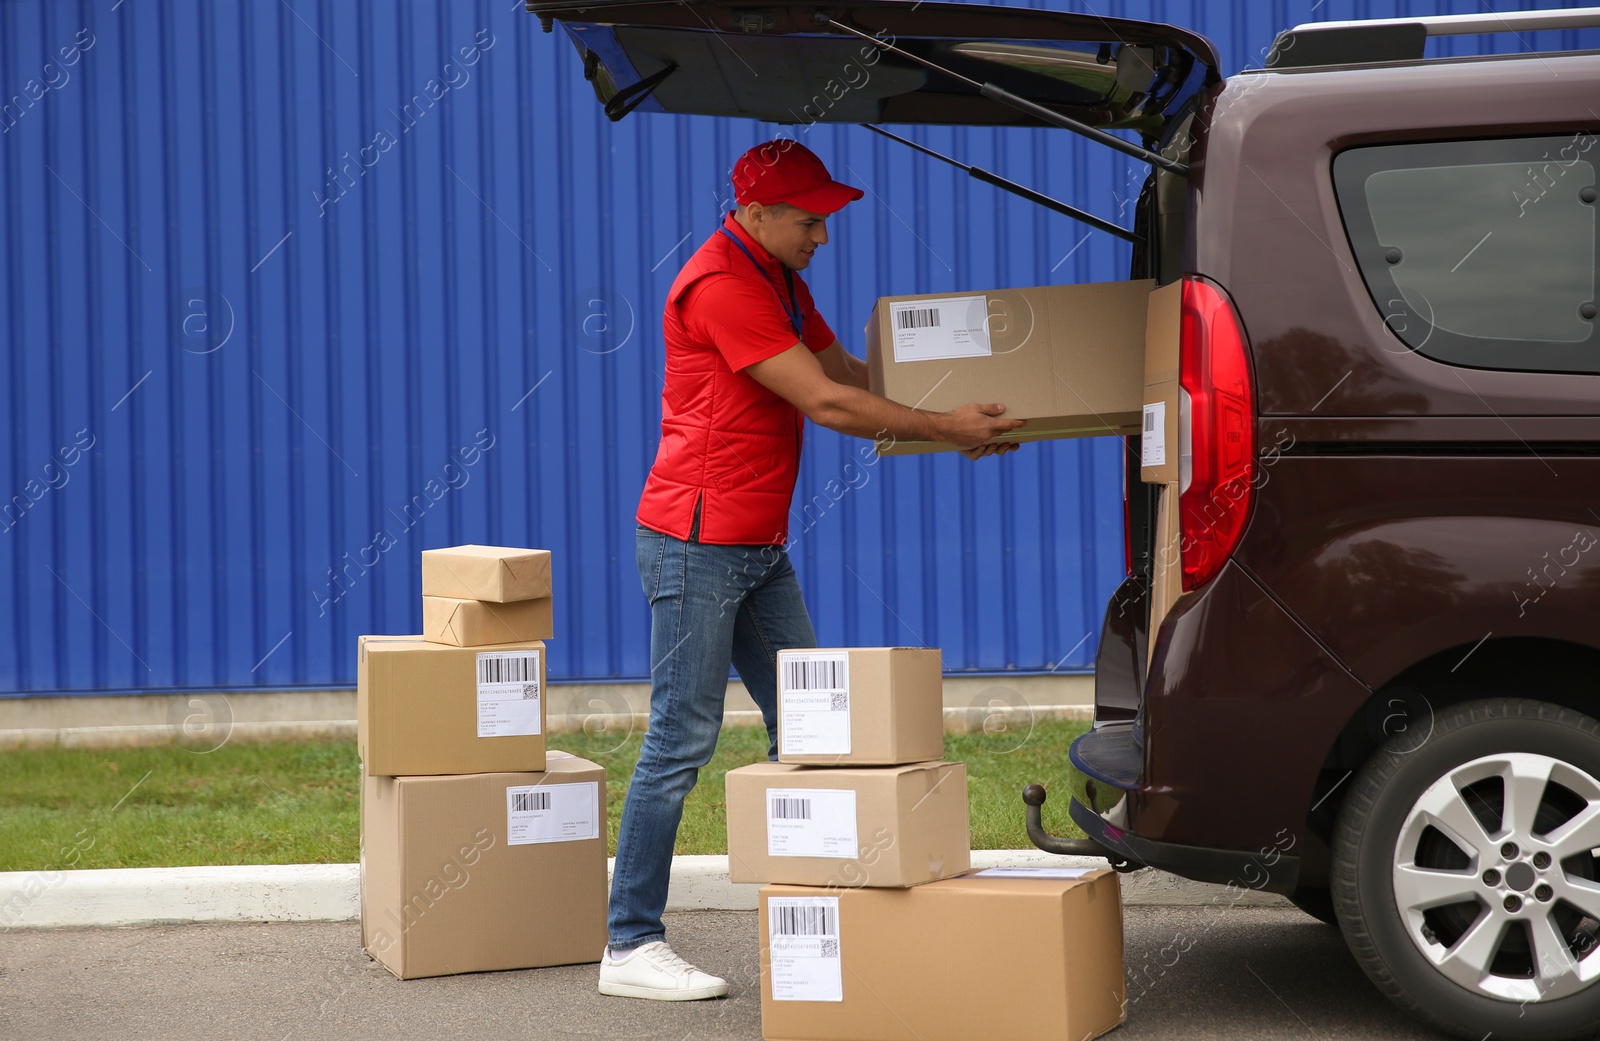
1034	795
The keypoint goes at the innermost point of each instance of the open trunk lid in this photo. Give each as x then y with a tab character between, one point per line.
808	63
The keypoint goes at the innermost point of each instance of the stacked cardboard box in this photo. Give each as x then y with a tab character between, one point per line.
1022	954
479	849
871	927
474	595
477	872
859	794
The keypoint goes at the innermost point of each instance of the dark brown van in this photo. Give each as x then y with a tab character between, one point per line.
1377	689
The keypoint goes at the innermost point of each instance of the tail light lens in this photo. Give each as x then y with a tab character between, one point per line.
1218	484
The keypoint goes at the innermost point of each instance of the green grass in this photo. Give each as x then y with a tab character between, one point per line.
241	804
998	765
298	803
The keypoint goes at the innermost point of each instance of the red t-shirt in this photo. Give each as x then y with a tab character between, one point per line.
747	320
729	446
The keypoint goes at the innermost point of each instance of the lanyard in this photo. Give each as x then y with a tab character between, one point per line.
792	307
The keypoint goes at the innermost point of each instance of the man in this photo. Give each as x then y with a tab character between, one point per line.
748	360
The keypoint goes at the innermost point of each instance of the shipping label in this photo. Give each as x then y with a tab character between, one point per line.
946	327
1037	872
814	702
804	947
509	696
811	822
553	813
1153	441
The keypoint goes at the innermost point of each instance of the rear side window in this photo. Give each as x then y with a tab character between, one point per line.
1480	253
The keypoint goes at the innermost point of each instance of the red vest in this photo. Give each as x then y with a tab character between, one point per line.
727	443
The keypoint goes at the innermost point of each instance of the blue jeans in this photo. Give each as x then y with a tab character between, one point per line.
710	606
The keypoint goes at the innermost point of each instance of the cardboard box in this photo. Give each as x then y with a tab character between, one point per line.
1032	957
860	705
1166	566
847	826
484	871
492	573
473	623
1069	359
427	708
1158	442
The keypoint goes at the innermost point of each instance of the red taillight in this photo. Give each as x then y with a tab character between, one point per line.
1220	458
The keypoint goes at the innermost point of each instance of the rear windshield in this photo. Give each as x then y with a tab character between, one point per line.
1480	253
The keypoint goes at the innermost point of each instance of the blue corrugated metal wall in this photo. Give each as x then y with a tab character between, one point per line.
293	290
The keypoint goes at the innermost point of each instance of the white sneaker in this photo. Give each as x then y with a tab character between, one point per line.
655	972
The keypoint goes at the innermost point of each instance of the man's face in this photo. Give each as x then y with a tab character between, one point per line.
790	234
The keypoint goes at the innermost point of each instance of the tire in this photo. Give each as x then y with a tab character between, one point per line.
1318	903
1486	827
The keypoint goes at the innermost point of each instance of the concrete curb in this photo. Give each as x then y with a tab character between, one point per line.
142	735
331	892
146	896
149	735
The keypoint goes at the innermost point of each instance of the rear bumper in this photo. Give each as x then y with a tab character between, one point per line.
1214	775
1104	776
1270	870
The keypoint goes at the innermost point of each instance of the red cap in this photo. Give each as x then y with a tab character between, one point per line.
784	170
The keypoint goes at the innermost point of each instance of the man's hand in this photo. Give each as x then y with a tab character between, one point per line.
992	448
973	426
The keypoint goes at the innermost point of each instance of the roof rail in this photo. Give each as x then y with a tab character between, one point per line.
1403	39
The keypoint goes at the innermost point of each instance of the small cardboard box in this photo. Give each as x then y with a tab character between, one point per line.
1025	955
428	708
484	871
1068	359
860	705
492	573
473	623
1158	441
847	826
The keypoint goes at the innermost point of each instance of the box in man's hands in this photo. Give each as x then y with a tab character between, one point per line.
1068	359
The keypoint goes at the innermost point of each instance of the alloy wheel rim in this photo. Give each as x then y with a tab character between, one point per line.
1495	879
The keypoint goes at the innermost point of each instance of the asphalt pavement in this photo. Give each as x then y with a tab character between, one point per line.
1203	972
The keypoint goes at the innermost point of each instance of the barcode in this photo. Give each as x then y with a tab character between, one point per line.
917	318
811	675
1149	422
526	802
830	948
794	920
838	701
789	809
530	692
519	669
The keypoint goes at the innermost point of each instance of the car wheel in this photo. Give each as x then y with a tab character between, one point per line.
1464	870
1318	903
